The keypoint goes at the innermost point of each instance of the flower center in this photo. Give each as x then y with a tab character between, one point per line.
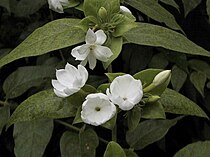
124	99
97	109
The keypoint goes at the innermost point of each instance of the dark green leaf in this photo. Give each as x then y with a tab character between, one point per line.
52	36
95	80
112	76
102	88
155	11
153	35
197	149
158	61
130	153
26	77
148	132
178	78
208	8
173	102
153	111
190	5
198	79
110	124
4	116
171	2
5	4
134	117
113	149
31	138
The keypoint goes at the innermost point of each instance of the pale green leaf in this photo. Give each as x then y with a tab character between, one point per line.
152	9
26	77
31	138
52	36
190	5
116	47
113	149
198	79
178	78
153	111
4	116
197	149
153	35
44	104
173	102
148	132
171	2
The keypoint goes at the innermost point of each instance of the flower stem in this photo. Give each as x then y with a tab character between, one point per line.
114	134
109	68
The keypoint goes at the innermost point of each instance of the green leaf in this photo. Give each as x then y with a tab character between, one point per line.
27	7
88	142
158	61
112	76
80	145
116	47
102	88
69	144
52	36
152	9
173	102
148	132
130	153
77	118
5	4
45	104
24	78
198	79
198	65
153	111
95	80
152	35
171	2
110	124
134	117
91	7
31	138
208	8
178	78
147	76
197	149
113	149
190	5
4	116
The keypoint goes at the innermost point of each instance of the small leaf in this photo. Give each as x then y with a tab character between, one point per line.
69	144
158	61
46	104
148	132
173	102
113	149
157	36
198	79
88	142
112	76
31	138
4	116
155	11
116	47
110	124
178	78
134	117
24	78
198	65
102	88
130	153
153	111
197	149
77	118
171	2
190	5
52	36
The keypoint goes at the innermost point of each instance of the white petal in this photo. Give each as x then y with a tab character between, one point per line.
90	37
64	78
55	6
100	37
125	9
126	105
60	94
84	62
92	61
97	95
57	85
71	69
70	91
83	74
102	53
81	52
64	2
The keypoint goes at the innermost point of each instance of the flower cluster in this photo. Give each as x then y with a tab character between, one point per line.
98	108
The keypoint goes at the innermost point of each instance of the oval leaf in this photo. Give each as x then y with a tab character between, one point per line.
113	149
190	5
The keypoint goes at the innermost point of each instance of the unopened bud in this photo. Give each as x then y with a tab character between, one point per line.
161	77
153	98
124	9
102	13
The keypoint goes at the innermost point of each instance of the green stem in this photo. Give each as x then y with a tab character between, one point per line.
109	68
114	134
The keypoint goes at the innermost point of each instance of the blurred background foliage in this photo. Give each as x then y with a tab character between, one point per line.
190	74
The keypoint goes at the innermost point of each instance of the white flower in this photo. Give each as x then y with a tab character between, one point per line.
92	50
125	91
57	5
69	80
124	9
161	77
97	109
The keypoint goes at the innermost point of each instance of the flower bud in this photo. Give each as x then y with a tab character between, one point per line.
161	77
153	98
102	13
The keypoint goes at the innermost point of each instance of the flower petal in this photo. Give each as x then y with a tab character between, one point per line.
83	74
125	9
100	37
90	37
70	91
60	93
55	6
102	53
57	85
81	52
126	105
92	61
64	78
